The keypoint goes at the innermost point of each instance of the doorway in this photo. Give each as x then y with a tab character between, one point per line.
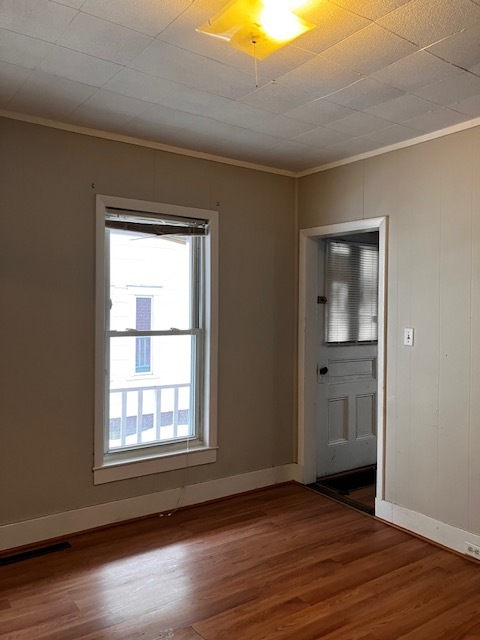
342	356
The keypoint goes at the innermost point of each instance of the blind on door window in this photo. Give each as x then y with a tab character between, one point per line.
352	292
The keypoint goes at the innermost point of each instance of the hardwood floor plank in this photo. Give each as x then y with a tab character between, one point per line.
321	617
460	622
279	564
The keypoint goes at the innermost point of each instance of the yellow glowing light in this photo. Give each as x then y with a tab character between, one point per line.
280	24
258	27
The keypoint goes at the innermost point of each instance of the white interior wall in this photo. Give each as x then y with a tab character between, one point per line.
431	194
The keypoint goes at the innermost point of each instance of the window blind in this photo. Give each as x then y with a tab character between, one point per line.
161	225
352	292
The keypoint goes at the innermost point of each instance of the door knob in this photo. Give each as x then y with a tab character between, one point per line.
323	371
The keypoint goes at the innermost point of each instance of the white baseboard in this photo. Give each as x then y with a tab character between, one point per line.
440	532
298	473
18	534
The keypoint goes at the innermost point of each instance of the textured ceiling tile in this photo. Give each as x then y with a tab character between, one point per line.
393	134
182	33
320	112
80	67
281	62
369	50
402	108
22	50
103	39
283	127
175	64
459	87
142	86
364	94
11	79
135	84
146	16
415	71
355	146
424	22
333	25
276	97
242	115
160	115
319	77
105	102
436	120
372	9
75	4
49	97
462	48
358	124
214	6
188	90
178	96
40	19
247	140
166	61
323	137
470	106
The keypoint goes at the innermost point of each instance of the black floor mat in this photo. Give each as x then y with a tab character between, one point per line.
345	482
340	485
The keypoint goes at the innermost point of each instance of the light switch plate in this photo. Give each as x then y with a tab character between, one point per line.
408	337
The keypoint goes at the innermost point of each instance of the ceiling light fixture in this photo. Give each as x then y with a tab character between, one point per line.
258	27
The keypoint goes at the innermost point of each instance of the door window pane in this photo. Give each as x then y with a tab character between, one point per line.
352	293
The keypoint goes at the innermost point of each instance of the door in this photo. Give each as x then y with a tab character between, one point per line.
346	371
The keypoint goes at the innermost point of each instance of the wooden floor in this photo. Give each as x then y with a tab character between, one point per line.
282	563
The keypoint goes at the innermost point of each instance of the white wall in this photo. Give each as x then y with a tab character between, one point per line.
431	193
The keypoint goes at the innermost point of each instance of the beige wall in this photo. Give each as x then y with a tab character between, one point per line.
48	182
431	193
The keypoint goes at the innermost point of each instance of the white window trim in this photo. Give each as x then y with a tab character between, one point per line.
112	470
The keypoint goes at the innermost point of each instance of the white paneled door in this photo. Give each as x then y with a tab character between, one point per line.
346	396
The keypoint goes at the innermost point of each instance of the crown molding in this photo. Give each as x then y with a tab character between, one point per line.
469	124
117	137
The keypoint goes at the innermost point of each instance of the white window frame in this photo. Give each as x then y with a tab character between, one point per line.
145	461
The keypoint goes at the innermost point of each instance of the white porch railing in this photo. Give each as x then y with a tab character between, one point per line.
121	432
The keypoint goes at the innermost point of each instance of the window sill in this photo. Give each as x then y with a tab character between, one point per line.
135	467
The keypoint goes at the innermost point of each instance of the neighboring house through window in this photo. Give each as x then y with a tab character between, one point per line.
143	322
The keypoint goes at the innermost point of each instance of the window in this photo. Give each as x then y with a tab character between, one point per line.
352	293
156	338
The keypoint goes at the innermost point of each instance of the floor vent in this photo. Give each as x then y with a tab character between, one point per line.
34	553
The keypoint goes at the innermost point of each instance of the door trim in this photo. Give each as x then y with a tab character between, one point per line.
307	364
